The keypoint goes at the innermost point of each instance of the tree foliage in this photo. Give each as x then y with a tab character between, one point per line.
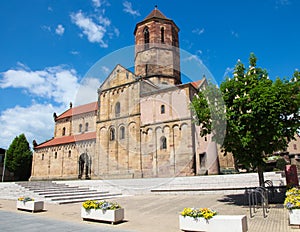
262	115
19	158
209	112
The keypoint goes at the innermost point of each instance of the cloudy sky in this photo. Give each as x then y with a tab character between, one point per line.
48	47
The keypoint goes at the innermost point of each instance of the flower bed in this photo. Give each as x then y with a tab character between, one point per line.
102	211
205	219
27	203
292	203
205	213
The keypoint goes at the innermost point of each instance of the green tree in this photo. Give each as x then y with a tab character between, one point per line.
19	158
209	112
262	116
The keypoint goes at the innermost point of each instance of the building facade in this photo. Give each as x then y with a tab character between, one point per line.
141	124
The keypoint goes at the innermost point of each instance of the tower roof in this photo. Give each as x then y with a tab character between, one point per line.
156	13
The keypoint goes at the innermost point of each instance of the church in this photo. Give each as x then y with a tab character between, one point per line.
140	126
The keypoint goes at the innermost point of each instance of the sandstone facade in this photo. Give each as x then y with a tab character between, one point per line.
141	124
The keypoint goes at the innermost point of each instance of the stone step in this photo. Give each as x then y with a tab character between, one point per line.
41	192
70	194
40	184
62	193
71	201
85	197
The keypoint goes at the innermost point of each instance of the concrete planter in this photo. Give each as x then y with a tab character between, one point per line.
112	216
219	223
33	206
294	216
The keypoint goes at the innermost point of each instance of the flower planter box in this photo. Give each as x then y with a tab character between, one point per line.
33	206
294	216
219	223
112	216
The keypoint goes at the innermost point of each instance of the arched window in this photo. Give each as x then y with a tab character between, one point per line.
80	128
42	156
122	132
117	109
146	37
163	143
69	155
112	134
64	131
87	126
162	35
55	155
162	109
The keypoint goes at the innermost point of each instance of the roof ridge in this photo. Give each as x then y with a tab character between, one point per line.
85	108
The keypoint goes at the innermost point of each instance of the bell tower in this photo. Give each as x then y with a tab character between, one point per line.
157	55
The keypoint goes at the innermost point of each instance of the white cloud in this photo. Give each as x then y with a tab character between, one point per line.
60	29
105	70
74	52
104	21
128	9
228	72
46	28
35	121
94	32
194	58
57	84
117	32
198	31
87	91
52	83
96	3
234	34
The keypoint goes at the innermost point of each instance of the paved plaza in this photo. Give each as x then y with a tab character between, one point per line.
143	213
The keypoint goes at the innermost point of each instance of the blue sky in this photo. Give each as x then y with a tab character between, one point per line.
47	47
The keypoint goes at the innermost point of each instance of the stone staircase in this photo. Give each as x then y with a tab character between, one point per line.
215	184
64	194
221	184
71	191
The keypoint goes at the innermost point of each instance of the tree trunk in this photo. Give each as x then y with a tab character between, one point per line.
261	176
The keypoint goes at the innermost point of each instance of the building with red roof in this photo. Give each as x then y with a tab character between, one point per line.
141	124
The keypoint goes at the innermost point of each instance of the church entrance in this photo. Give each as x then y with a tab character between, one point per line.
84	166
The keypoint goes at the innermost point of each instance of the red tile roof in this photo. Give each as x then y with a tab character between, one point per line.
67	139
198	84
79	110
156	14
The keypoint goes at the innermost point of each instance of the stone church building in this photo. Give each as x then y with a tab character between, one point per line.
141	124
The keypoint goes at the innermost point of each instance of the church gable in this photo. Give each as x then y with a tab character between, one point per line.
119	76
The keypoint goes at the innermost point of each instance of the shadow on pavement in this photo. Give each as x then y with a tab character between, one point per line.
275	196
